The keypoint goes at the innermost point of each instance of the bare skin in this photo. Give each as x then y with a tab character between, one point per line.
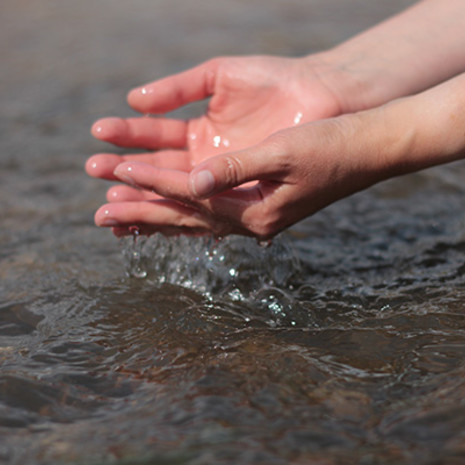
251	97
275	124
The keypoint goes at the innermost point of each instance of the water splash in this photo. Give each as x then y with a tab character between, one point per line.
133	254
235	266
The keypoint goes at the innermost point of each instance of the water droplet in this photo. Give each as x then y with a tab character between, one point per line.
135	254
216	141
298	117
233	272
135	231
264	243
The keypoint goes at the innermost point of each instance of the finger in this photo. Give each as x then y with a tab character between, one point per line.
172	184
123	193
103	165
155	214
145	132
223	172
241	212
175	91
237	210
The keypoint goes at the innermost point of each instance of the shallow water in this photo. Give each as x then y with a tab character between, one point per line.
340	343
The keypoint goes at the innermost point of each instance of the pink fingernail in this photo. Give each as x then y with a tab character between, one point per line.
125	175
203	183
107	220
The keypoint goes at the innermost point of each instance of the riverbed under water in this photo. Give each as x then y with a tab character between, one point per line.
342	342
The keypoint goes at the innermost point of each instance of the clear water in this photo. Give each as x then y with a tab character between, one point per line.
342	342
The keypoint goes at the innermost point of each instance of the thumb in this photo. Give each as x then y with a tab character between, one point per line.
224	172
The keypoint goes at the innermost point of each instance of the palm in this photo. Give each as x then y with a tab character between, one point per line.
253	98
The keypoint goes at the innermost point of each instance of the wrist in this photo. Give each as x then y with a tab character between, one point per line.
419	131
353	84
404	55
360	81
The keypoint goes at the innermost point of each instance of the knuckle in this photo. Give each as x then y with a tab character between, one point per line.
232	169
279	141
280	147
212	69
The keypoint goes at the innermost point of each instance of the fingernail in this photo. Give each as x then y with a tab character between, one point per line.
107	220
125	175
203	183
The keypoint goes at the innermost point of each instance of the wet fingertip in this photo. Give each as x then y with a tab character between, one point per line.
107	129
131	95
135	95
95	165
100	128
104	218
113	194
91	166
124	172
96	129
124	166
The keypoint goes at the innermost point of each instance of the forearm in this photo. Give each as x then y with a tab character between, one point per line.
410	52
429	128
339	156
400	137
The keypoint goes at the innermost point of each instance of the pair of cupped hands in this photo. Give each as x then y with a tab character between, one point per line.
269	151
